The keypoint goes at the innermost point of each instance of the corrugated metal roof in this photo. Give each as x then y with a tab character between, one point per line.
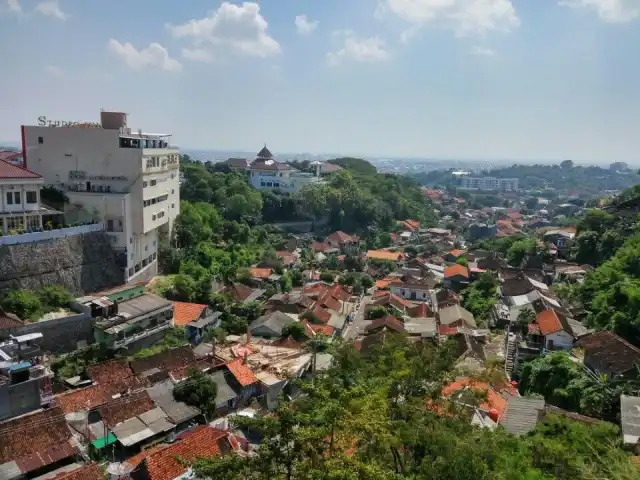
522	414
132	431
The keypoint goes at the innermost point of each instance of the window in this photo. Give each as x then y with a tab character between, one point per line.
146	248
16	198
153	183
173	205
40	140
154	256
154	243
9	198
144	184
153	217
33	222
131	272
130	240
109	225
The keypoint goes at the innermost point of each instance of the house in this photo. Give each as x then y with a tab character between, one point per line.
605	353
288	259
456	316
125	319
150	368
478	231
412	288
270	325
266	173
197	318
237	163
454	255
343	242
551	330
260	274
20	206
242	293
34	444
384	256
410	225
292	302
173	461
561	238
456	276
90	471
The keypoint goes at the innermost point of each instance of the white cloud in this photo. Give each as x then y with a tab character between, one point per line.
54	71
51	8
614	11
240	28
304	26
197	54
14	6
483	51
155	55
364	50
465	17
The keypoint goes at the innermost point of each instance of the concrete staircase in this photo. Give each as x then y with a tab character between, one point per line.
510	361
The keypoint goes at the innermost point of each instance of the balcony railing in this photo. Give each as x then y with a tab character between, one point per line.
133	338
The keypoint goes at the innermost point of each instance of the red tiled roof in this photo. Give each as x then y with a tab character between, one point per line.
610	352
329	301
35	440
205	441
339	292
457	253
389	322
320	246
242	373
83	399
9	155
341	237
320	314
10	171
139	458
91	471
312	328
124	408
411	224
184	313
9	320
115	374
287	257
494	400
419	311
262	273
455	270
549	322
384	255
168	360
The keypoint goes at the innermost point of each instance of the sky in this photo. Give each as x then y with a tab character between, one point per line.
460	79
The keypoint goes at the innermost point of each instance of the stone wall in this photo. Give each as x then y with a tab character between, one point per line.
82	263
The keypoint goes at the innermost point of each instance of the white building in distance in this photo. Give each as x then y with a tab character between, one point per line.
267	174
489	183
127	180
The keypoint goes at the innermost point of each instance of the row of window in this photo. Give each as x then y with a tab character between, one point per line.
14	198
158	216
16	223
270	184
142	264
157	161
153	201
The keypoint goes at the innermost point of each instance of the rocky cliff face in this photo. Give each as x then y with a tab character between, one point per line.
82	263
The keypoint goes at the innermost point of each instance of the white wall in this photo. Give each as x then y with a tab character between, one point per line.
421	294
561	340
22	186
287	181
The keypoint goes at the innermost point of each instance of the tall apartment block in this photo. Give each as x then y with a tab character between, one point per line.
490	183
128	180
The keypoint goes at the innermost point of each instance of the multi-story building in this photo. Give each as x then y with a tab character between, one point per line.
20	207
125	179
267	174
489	183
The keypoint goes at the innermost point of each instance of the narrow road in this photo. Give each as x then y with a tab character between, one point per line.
359	323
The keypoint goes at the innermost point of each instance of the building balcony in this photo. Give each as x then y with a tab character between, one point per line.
140	335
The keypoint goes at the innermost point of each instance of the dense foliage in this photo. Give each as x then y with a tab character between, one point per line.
564	383
371	416
198	390
32	304
481	296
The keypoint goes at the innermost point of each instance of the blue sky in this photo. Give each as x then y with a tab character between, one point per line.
468	79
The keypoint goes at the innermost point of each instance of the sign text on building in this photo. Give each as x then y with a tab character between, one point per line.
43	121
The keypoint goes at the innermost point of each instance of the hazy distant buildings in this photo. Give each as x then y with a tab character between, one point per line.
618	166
489	183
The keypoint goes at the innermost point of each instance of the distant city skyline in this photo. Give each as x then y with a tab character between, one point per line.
517	80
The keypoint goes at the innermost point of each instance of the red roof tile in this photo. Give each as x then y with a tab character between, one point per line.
494	400
168	360
242	373
322	315
114	374
384	255
457	253
447	331
389	322
312	328
455	270
139	458
9	320
83	398
341	237
205	441
91	471
411	224
262	273
124	408
184	313
24	438
10	171
549	322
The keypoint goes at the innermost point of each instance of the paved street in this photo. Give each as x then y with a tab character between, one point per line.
359	323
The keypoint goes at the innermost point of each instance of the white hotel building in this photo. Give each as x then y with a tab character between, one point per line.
127	180
489	183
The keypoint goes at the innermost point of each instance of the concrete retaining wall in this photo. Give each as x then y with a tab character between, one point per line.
83	263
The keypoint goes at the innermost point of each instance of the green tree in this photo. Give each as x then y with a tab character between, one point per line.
23	303
198	390
53	296
295	330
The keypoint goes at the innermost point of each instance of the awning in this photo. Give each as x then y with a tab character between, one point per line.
104	441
